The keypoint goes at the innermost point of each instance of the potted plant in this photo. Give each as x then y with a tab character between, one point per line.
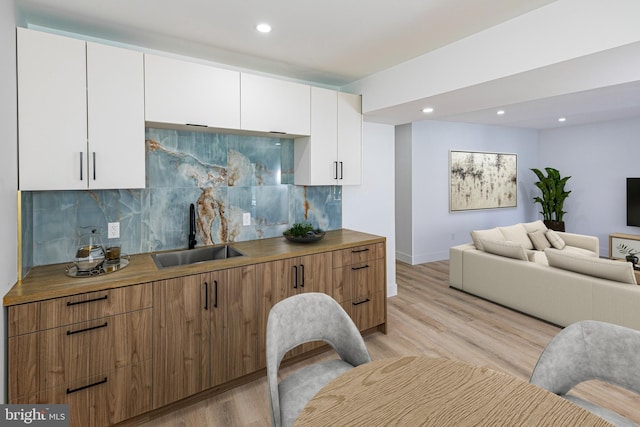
553	197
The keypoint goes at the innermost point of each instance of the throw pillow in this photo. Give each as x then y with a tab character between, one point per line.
534	226
593	266
539	240
505	248
516	233
492	234
555	239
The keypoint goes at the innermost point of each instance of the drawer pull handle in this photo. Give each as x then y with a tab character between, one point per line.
87	329
361	302
73	390
355	251
302	283
360	268
69	303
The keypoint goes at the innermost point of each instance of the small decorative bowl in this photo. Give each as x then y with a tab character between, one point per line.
309	238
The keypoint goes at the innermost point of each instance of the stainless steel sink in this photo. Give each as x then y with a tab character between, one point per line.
193	256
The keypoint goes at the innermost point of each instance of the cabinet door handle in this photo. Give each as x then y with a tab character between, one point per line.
295	277
215	301
104	325
356	251
335	176
69	303
94	165
302	268
361	302
206	296
81	154
360	268
73	390
341	171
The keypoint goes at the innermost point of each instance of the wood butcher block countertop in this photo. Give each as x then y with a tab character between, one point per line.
51	281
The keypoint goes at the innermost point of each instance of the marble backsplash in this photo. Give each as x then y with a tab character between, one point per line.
223	175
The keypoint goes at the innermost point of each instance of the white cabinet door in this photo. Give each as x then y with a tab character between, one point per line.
315	157
52	112
115	87
349	139
271	105
332	155
183	92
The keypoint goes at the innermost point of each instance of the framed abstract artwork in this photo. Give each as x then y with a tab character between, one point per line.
482	180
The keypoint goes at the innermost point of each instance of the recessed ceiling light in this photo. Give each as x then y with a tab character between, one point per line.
562	119
427	110
263	28
500	112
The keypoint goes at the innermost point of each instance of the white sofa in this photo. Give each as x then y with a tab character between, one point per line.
541	283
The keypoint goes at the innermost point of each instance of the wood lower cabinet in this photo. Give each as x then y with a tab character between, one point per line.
284	278
205	331
91	351
234	350
359	284
115	354
181	330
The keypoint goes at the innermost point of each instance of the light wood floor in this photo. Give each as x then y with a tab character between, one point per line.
426	317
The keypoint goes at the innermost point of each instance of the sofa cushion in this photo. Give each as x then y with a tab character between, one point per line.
538	257
539	240
555	239
593	266
534	226
492	234
579	251
505	248
517	233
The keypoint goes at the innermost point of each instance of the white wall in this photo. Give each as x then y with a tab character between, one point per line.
8	169
370	207
404	193
434	228
599	158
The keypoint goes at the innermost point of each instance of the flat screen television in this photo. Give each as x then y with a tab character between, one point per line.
633	202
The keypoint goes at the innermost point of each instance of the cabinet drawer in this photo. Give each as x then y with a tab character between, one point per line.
367	312
67	354
358	254
52	313
358	281
101	400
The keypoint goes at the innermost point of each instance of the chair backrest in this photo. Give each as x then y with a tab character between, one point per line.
309	317
588	350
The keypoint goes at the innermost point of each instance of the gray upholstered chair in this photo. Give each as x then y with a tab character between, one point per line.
299	319
591	350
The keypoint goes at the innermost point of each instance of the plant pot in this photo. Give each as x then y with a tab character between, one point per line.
554	225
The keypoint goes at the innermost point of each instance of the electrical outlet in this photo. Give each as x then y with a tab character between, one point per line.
246	218
113	230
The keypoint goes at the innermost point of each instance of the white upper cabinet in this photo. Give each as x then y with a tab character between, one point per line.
349	139
271	105
80	114
52	111
332	155
187	93
115	88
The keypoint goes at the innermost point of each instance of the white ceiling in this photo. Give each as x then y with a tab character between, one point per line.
329	42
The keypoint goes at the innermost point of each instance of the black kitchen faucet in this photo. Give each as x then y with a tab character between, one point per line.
192	226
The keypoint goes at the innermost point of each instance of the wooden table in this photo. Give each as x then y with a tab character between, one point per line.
418	390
